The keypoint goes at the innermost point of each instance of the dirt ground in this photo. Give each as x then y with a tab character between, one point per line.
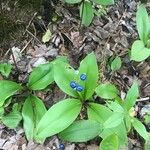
21	31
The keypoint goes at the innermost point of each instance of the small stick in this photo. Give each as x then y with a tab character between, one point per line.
14	60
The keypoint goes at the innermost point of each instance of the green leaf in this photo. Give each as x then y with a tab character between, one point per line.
139	52
98	112
7	89
41	77
120	130
5	69
147	144
116	63
1	112
63	75
12	119
132	96
114	120
115	107
72	1
81	131
143	23
106	91
140	128
89	67
104	2
58	118
47	36
86	13
32	112
110	143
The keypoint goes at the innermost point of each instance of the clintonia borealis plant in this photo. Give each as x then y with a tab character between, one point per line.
141	48
78	118
86	8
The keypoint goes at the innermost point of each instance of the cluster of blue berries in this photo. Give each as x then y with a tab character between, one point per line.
77	87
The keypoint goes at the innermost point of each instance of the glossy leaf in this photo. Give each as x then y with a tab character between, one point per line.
81	131
7	89
41	77
104	2
110	143
89	67
63	75
140	128
12	119
114	120
106	91
5	69
72	1
143	23
98	112
58	118
115	107
139	52
32	112
132	96
86	13
116	63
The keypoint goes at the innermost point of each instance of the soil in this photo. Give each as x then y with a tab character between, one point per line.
22	26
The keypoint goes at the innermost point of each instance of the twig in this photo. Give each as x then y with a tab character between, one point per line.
25	46
143	99
34	36
14	60
30	22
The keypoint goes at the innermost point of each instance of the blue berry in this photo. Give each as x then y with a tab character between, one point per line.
83	77
79	88
73	84
61	146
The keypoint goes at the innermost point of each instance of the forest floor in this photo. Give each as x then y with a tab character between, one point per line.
110	34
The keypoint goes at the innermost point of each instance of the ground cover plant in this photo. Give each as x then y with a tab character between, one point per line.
96	100
78	118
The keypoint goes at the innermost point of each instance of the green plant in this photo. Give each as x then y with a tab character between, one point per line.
141	48
78	118
86	9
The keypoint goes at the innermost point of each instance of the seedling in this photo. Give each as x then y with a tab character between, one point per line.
141	48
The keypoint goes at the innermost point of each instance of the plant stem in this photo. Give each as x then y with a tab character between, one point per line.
82	3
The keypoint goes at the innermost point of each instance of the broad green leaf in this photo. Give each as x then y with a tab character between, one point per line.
1	112
72	1
147	144
98	112
143	23
114	120
127	121
58	118
132	96
63	75
86	13
81	131
110	143
47	36
116	63
7	89
104	2
41	77
89	67
12	119
5	69
140	128
32	112
139	52
106	91
120	130
115	107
